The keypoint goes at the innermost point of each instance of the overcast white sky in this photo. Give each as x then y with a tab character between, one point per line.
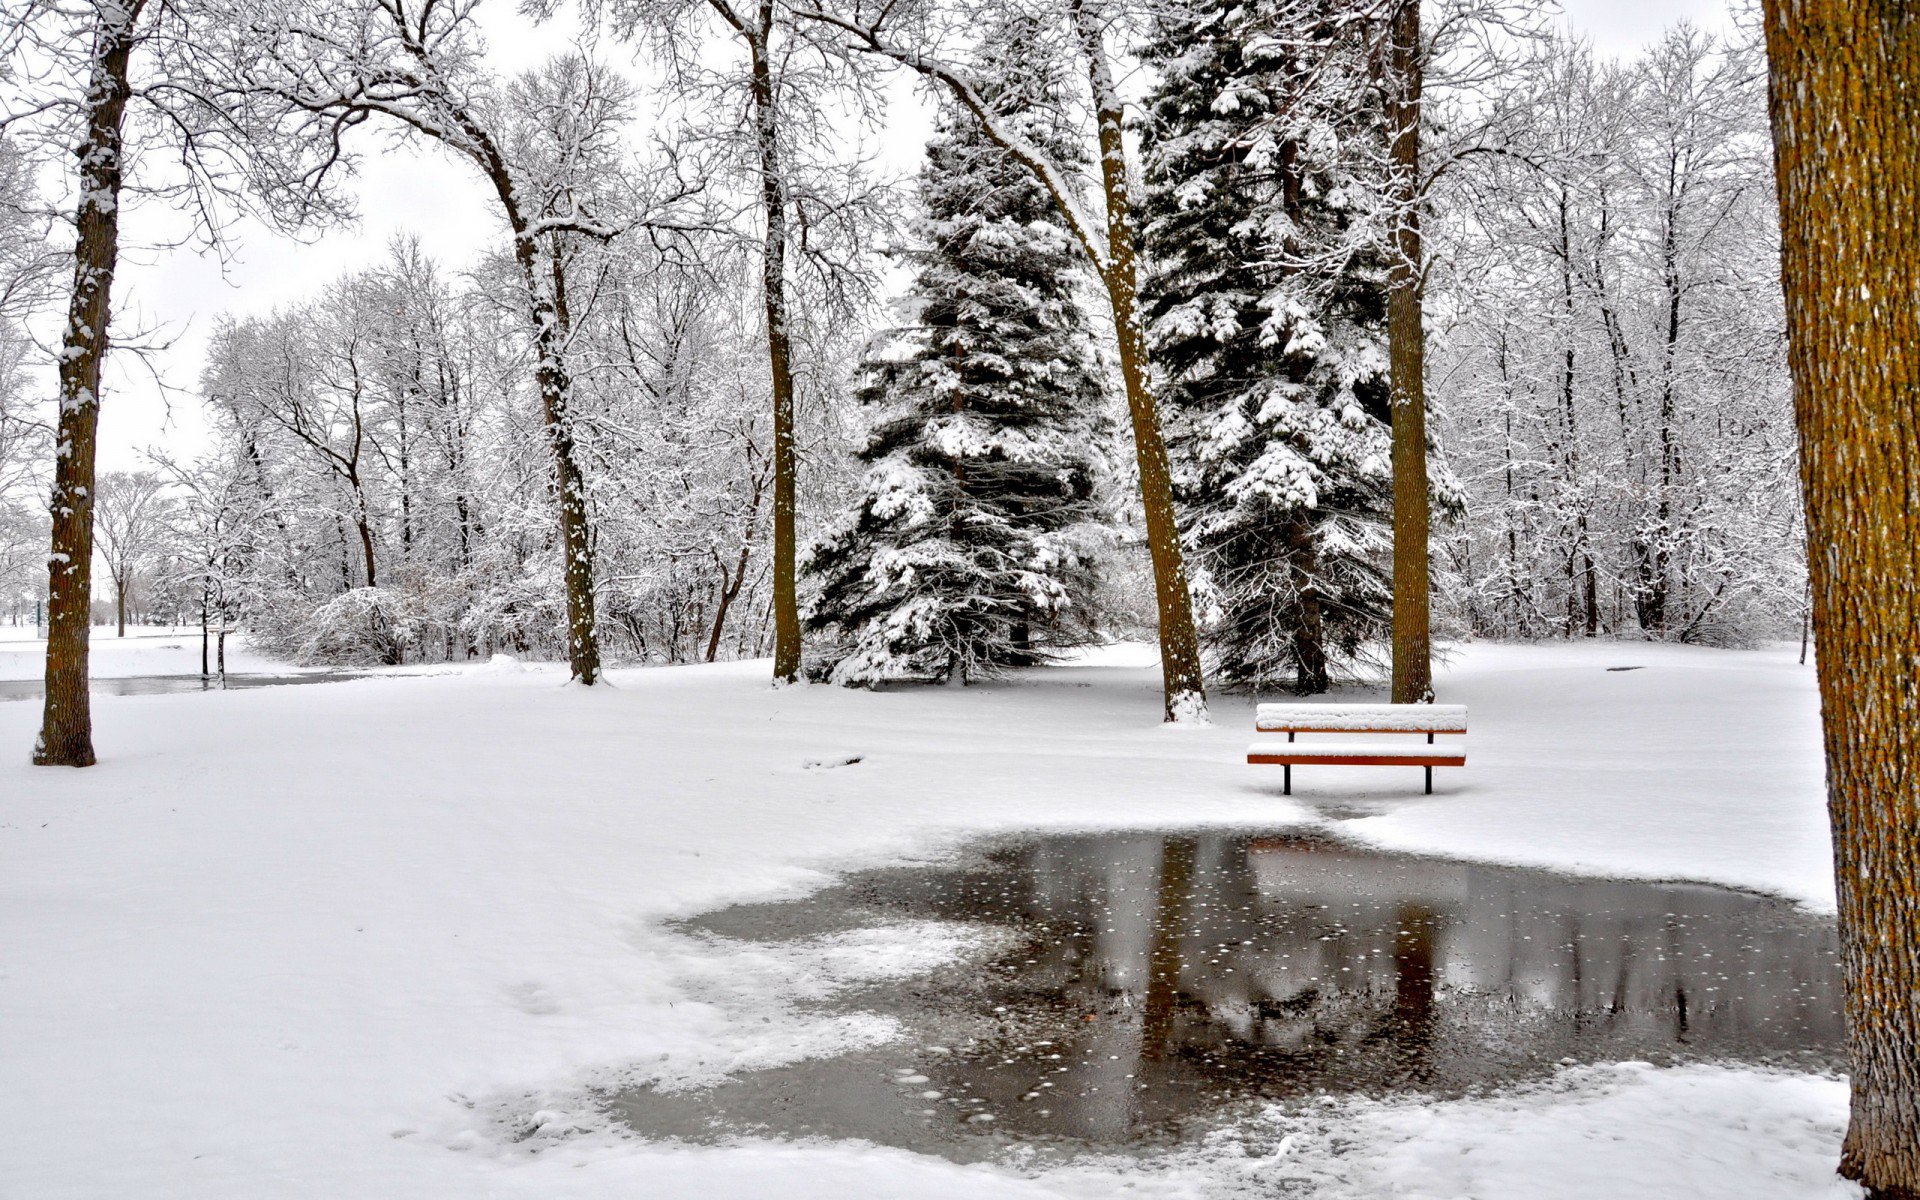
422	192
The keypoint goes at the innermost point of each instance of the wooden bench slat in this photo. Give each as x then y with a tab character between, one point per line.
1333	754
1265	728
1353	760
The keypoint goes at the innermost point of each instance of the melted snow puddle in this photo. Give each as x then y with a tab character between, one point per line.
170	685
1154	985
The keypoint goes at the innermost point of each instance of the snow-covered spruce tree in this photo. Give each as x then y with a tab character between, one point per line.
1266	302
973	544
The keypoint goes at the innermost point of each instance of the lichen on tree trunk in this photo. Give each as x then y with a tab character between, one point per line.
1845	101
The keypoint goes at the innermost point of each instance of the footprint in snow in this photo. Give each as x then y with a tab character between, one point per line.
822	764
532	999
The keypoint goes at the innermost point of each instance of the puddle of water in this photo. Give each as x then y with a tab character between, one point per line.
1157	983
168	685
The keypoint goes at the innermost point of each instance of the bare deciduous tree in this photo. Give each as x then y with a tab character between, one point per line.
108	78
26	283
547	148
110	30
130	516
814	214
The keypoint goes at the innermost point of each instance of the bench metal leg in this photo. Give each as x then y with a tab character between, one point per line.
1288	768
1429	781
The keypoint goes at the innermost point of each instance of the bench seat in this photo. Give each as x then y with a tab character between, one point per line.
1359	754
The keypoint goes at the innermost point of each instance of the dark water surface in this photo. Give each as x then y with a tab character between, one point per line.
1155	983
168	685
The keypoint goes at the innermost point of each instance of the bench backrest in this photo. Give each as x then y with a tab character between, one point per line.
1361	718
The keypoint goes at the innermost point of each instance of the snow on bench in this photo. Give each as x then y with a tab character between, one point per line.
1360	718
1292	719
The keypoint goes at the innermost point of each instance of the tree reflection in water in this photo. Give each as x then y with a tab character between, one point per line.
1161	978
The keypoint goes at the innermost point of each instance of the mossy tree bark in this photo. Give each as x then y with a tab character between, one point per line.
1845	101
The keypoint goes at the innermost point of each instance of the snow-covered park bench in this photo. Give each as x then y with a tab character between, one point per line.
1292	719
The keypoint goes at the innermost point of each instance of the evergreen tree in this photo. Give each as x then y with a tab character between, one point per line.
1266	303
973	545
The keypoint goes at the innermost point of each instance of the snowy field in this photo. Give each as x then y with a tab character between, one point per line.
373	939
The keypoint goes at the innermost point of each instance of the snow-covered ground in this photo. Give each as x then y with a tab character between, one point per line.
321	941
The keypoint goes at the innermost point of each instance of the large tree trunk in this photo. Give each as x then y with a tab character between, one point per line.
120	606
1407	367
1311	674
546	313
1846	126
1183	685
1656	602
576	537
773	283
66	730
1583	597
